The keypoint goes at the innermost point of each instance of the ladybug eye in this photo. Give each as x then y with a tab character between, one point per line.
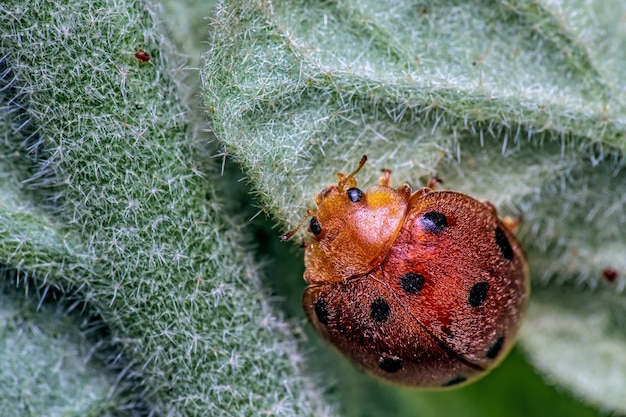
354	194
315	226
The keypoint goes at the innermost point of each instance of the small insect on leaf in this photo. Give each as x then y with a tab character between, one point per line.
142	56
424	288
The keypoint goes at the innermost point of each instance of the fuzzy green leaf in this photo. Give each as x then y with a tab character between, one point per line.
517	102
48	363
107	193
577	338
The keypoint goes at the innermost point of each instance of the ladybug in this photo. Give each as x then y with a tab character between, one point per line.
423	288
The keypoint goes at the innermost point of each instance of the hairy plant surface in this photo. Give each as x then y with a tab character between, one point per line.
112	206
521	103
104	193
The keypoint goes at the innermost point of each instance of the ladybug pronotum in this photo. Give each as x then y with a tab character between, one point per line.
423	288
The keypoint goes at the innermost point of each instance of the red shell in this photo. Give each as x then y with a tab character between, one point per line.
424	289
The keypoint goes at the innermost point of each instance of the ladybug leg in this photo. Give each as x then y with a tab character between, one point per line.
417	195
434	181
423	191
512	223
405	191
385	180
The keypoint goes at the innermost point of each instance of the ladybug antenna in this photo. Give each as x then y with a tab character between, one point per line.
290	233
345	179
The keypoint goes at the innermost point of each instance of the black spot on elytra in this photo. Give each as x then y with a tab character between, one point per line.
412	283
321	311
354	194
379	310
503	243
454	381
478	294
495	348
315	226
434	221
390	364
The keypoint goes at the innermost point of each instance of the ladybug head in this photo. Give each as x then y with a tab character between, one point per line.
352	229
333	200
338	206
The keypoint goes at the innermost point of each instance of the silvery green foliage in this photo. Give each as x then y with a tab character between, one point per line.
521	103
49	358
105	193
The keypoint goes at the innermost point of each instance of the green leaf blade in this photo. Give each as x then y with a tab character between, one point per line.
508	102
